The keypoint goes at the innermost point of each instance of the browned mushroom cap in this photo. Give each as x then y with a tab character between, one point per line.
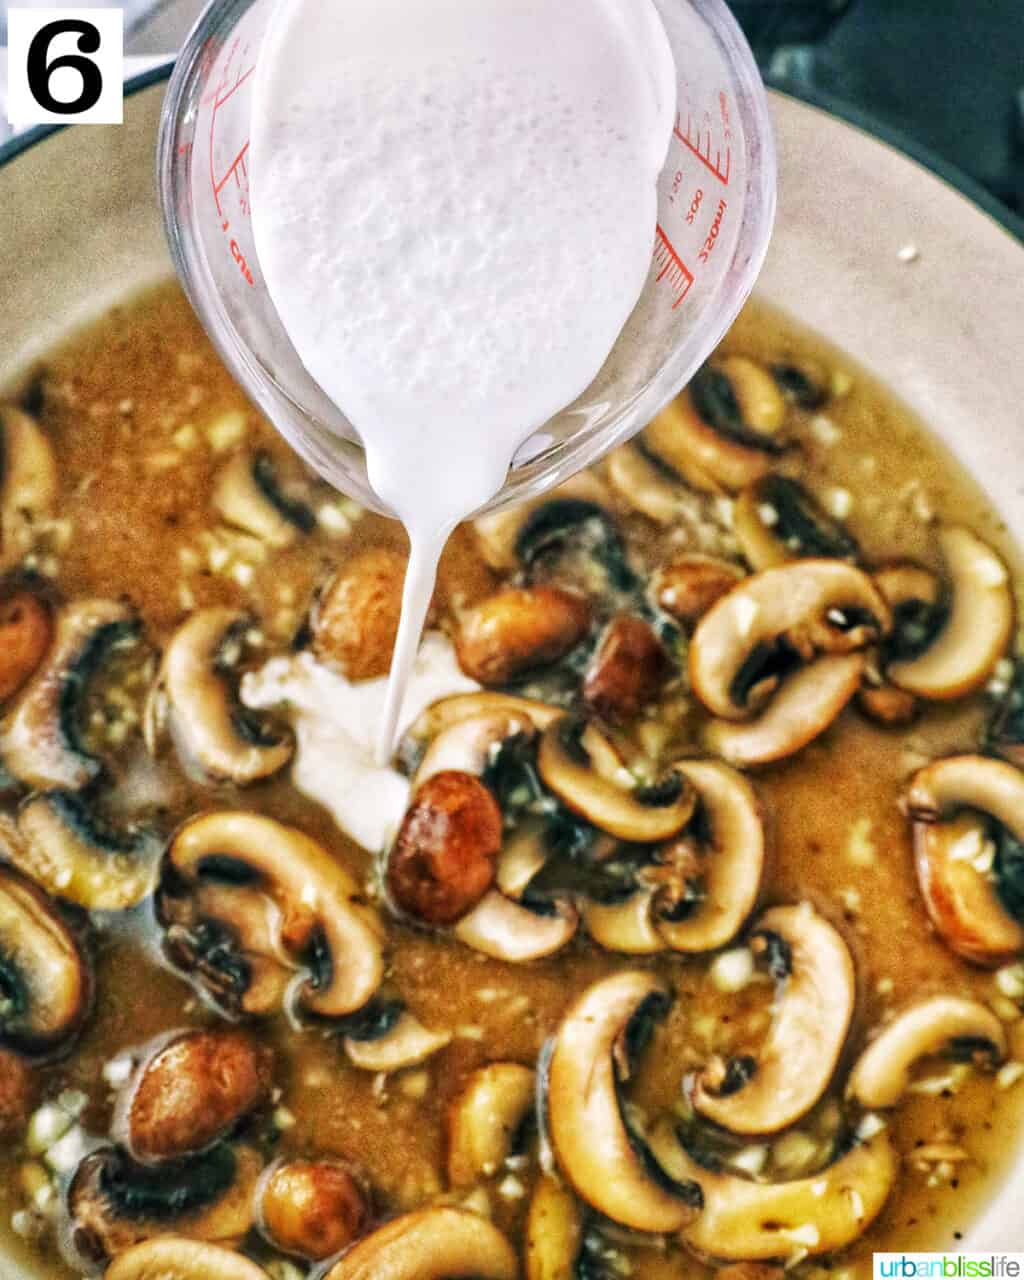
323	919
210	730
518	630
311	1208
431	1244
26	629
813	1009
17	1095
28	482
773	622
190	1091
882	1072
178	1258
962	656
45	979
40	738
114	1203
951	803
355	622
627	671
688	587
594	1148
804	707
583	769
742	1219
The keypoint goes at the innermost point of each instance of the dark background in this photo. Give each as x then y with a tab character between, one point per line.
948	74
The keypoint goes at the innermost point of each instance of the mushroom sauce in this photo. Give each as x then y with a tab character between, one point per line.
700	941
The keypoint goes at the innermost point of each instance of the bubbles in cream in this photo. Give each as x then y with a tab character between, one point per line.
454	205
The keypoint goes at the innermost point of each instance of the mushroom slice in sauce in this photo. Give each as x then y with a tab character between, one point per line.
40	737
953	804
812	1013
211	731
645	486
28	481
45	979
178	1258
554	1232
468	745
777	520
79	856
449	712
936	1025
728	833
506	930
498	535
114	1203
583	769
724	431
602	1160
774	622
406	1043
248	494
626	926
745	1220
323	919
485	1120
430	1244
962	656
803	708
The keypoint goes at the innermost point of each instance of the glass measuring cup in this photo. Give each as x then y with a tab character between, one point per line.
716	206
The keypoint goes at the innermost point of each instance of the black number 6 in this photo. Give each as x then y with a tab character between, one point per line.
40	71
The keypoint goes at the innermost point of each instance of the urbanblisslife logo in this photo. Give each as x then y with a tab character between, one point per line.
949	1266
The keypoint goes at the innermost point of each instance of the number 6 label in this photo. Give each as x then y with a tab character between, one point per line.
65	66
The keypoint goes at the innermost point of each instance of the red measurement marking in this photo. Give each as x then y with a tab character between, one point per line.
673	269
237	170
699	142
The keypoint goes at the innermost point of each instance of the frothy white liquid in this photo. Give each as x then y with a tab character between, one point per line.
454	205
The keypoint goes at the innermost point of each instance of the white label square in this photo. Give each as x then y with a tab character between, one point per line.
65	66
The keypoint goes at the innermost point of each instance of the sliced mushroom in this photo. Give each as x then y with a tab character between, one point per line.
965	651
40	738
952	804
311	1208
190	1091
323	919
597	1153
583	769
211	731
688	587
248	494
802	382
626	926
554	1232
775	621
645	485
114	1203
430	1244
728	838
26	629
804	707
724	430
812	1013
406	1043
453	711
516	630
178	1258
498	534
468	746
777	520
45	979
939	1024
485	1120
28	482
78	856
756	1220
506	930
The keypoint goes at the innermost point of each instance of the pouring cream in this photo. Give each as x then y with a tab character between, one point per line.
454	204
